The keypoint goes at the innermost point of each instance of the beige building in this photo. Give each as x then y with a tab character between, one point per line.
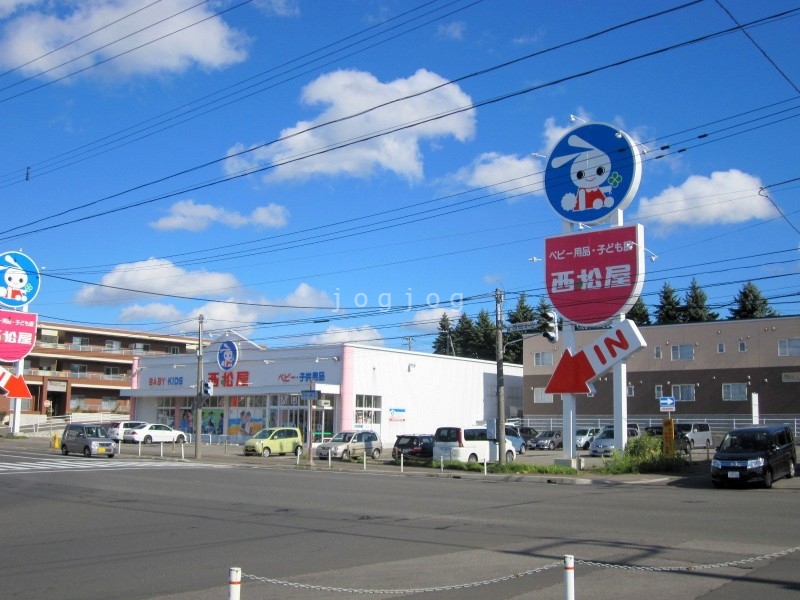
74	368
711	369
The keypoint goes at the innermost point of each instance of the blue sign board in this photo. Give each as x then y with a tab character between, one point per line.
20	279
666	403
228	355
593	170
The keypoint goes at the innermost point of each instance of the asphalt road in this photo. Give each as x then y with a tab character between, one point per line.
152	527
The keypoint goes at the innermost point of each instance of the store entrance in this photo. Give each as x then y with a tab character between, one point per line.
322	419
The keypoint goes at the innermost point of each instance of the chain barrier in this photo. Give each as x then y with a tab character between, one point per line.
442	588
732	563
474	584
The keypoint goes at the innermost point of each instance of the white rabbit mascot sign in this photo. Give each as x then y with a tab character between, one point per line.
20	279
593	170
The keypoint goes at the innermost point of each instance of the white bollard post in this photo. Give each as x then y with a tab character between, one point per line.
140	448
569	577
441	464
162	449
329	458
365	460
234	583
182	457
401	461
484	466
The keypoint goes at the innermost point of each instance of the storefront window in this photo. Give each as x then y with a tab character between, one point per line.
165	412
368	410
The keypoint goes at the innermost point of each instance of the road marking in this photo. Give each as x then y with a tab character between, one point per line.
82	464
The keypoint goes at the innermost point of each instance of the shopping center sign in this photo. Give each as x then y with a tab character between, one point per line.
591	276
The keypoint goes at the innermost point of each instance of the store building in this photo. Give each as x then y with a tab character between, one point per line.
712	369
334	388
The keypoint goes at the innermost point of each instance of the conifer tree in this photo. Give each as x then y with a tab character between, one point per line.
750	304
668	309
639	313
696	308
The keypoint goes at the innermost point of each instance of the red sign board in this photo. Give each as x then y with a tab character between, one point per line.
17	334
593	275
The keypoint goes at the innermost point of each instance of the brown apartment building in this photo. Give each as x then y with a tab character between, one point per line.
711	369
83	369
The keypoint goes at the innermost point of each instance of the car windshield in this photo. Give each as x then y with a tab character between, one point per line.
683	427
343	436
142	426
744	442
547	434
403	440
264	434
606	434
96	432
582	432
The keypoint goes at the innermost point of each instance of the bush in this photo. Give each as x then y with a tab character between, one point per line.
644	454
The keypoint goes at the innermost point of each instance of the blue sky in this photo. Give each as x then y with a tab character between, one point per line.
307	171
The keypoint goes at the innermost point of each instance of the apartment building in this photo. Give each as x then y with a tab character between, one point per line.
74	368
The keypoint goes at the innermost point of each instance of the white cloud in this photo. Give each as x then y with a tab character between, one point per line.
507	174
453	31
190	216
337	335
427	321
158	276
724	198
344	93
38	38
155	311
281	8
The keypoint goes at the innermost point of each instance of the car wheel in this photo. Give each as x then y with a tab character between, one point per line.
522	449
64	450
509	456
110	455
552	446
265	452
768	478
87	452
708	445
473	458
790	474
376	453
298	451
147	439
180	439
345	455
586	446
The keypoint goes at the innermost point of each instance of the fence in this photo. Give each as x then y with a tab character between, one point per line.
235	577
42	425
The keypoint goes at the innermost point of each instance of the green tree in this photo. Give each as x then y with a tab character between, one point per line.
485	346
668	309
639	313
750	304
697	309
541	313
443	344
464	336
522	313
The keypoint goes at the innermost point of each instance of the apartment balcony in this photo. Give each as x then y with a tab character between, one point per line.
118	380
70	349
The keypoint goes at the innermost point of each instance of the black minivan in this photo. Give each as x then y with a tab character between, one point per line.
759	453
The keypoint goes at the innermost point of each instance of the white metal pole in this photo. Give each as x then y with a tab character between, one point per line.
234	583
569	577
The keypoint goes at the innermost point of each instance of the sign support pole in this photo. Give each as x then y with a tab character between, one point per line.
568	401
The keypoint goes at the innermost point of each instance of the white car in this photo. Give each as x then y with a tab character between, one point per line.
154	432
117	430
584	437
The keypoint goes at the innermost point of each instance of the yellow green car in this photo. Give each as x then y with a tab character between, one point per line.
275	440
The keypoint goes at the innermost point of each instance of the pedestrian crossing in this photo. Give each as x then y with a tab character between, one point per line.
68	463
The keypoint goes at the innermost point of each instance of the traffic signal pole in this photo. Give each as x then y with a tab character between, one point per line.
501	393
198	399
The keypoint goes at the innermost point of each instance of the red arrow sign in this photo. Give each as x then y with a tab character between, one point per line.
14	385
574	372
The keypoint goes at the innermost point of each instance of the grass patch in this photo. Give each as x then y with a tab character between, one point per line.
644	454
513	468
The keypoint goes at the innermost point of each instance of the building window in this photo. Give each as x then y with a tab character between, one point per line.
539	397
140	347
78	404
543	359
630	391
659	391
720	347
368	409
742	346
657	352
113	345
683	392
683	352
789	347
111	371
76	369
173	349
79	341
734	392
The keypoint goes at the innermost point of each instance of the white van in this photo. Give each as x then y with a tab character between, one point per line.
699	434
468	444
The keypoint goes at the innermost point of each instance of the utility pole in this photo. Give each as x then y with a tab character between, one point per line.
198	398
501	393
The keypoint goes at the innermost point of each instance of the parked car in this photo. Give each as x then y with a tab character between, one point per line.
413	446
275	440
117	429
88	439
468	444
603	444
754	454
351	444
514	438
548	440
154	432
699	434
527	433
584	437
